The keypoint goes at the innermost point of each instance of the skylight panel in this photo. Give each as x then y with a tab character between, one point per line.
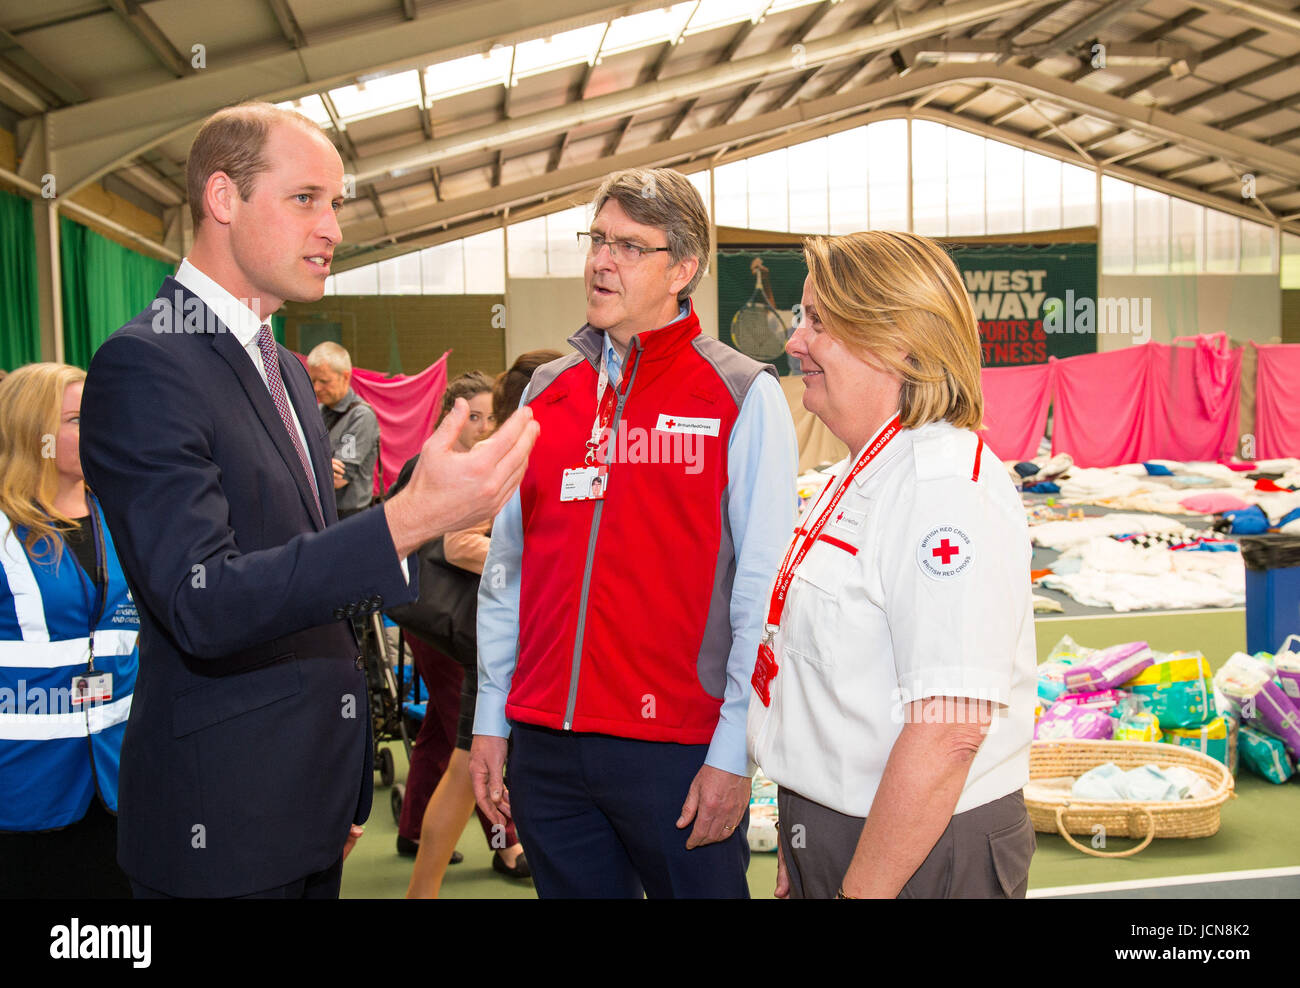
718	13
649	28
569	48
373	96
463	75
310	107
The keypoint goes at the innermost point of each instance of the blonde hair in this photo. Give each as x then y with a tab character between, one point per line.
31	399
898	302
233	140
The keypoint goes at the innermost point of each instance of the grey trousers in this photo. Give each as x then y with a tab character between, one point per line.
982	854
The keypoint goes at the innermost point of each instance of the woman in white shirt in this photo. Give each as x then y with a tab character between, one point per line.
893	696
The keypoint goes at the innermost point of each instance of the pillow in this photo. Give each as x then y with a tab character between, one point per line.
1212	503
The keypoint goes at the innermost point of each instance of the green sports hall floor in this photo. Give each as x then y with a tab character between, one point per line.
1258	836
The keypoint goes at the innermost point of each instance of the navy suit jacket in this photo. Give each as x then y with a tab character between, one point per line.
247	754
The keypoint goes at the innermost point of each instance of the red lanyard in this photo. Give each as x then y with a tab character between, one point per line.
786	573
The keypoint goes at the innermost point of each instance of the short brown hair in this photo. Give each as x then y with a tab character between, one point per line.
666	199
509	387
232	141
881	293
466	386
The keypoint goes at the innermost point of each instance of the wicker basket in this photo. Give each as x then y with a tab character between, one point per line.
1185	818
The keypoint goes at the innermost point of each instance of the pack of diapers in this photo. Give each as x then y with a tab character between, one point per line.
762	814
1136	723
1259	702
1264	755
1213	738
1108	667
1287	665
1051	672
1068	719
1176	688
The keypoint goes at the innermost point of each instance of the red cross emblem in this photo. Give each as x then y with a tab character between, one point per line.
840	516
671	424
945	551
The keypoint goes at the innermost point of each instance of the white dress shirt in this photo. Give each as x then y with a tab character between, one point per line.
244	324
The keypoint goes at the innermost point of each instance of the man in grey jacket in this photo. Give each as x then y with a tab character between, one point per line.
354	430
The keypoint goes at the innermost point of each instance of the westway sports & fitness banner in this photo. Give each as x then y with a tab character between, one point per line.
1008	286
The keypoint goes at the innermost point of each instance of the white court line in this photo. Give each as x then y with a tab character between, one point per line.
1141	614
1214	876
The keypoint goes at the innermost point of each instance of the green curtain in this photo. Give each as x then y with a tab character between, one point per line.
20	318
105	285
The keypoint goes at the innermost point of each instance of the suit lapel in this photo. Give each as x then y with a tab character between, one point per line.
227	346
298	386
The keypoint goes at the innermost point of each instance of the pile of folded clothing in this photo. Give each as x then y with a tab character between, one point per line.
1099	570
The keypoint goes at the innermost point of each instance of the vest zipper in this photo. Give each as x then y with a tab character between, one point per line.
630	375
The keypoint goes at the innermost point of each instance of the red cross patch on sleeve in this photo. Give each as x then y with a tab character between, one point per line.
945	552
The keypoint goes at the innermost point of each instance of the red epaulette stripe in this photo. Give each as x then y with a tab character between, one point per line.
979	451
838	543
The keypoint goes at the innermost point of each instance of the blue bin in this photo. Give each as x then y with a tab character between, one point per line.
1272	590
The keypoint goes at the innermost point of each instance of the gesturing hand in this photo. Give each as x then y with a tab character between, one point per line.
450	490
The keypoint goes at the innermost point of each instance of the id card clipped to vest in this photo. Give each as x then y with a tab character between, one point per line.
92	688
584	484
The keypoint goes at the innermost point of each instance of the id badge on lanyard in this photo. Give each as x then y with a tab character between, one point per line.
590	481
92	686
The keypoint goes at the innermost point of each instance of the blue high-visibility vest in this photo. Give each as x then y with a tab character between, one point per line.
56	754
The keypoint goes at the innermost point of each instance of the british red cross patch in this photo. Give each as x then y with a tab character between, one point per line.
945	552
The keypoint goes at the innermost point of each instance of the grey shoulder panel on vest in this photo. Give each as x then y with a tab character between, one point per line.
545	375
737	371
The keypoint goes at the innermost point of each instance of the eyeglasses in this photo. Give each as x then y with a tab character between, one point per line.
620	250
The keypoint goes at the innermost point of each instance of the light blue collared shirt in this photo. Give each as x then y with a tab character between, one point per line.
762	464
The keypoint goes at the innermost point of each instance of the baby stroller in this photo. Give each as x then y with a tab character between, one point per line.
392	715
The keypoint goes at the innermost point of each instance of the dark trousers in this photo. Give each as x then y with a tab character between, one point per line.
319	885
982	854
77	862
597	817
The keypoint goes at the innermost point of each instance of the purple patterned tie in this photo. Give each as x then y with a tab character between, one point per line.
271	362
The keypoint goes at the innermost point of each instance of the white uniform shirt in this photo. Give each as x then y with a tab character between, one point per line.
918	586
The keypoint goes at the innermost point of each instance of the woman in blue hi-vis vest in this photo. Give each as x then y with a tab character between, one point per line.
68	652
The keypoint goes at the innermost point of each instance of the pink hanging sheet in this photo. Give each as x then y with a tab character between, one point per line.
1099	406
1153	401
1195	397
407	407
1277	400
1015	409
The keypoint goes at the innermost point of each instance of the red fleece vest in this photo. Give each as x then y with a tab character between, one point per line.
629	661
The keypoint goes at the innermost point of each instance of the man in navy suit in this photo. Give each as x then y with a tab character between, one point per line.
246	764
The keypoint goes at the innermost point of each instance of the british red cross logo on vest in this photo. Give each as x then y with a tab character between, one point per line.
945	552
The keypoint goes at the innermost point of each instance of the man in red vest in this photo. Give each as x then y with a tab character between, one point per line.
621	604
